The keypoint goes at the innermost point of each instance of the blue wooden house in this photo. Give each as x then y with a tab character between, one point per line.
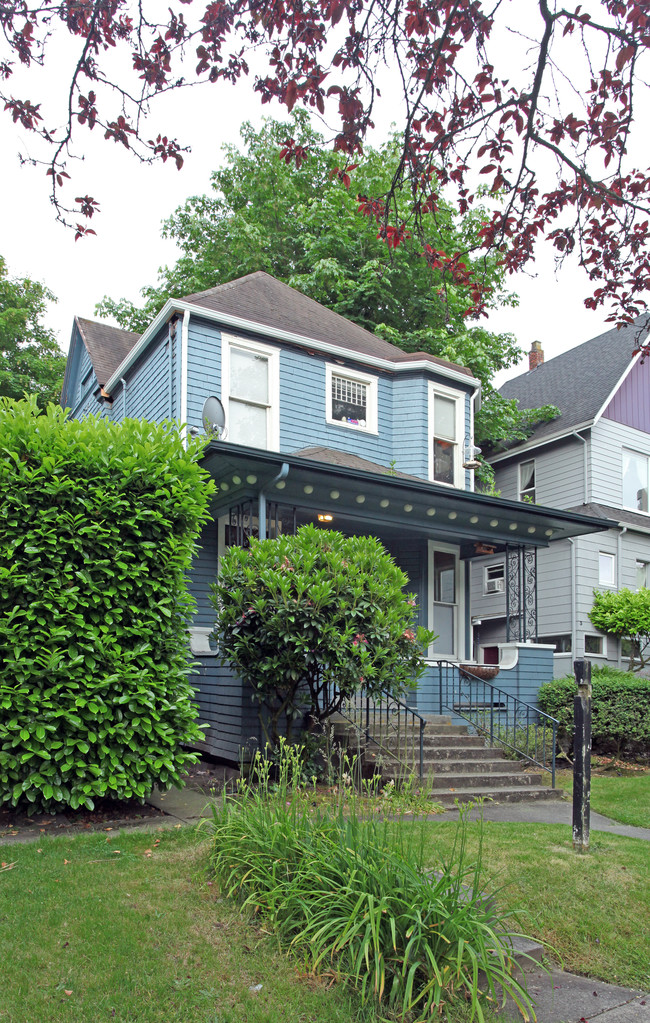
324	422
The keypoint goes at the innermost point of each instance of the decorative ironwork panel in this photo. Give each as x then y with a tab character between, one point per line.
521	594
513	594
244	522
529	579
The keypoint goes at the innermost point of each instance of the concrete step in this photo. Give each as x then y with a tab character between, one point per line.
493	779
511	794
438	754
463	765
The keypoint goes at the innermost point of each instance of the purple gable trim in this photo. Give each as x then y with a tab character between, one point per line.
631	403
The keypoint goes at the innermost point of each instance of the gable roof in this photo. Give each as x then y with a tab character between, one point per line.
579	382
262	299
107	346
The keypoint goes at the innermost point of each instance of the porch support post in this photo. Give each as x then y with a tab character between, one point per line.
521	593
261	499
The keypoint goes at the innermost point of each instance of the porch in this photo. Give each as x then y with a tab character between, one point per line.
431	530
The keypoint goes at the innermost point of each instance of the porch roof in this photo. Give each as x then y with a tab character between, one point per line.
362	494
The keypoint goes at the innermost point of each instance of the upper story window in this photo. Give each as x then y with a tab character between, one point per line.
494	579
606	569
250	374
527	481
351	399
446	431
635	480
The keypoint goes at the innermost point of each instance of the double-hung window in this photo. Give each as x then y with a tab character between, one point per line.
527	481
606	569
635	480
250	385
351	399
446	601
446	432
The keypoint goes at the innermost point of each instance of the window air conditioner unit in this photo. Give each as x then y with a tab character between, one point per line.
495	586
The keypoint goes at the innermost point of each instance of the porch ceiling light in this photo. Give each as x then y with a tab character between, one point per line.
384	502
453	515
280	485
473	519
308	489
325	517
549	532
236	480
334	494
408	507
513	525
431	511
360	498
251	479
494	522
531	529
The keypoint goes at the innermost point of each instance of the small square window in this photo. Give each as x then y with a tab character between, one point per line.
606	569
595	645
527	481
351	400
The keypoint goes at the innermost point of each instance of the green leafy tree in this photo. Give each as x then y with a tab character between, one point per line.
310	619
98	523
31	361
303	226
625	614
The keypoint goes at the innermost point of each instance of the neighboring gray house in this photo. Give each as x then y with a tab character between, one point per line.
325	422
594	458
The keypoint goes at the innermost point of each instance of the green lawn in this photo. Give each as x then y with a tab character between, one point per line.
593	909
130	926
624	797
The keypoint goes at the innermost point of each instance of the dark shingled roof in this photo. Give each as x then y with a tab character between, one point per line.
331	456
267	301
106	346
578	382
601	511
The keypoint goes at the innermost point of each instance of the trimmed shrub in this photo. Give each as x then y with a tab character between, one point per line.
620	709
97	527
310	619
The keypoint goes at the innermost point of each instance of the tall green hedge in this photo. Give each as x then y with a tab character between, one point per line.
620	709
98	523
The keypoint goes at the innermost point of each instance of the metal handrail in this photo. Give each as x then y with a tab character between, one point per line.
494	712
389	724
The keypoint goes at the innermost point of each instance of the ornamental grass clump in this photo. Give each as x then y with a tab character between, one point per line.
349	893
98	523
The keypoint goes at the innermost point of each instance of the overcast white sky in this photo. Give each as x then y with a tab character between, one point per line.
135	199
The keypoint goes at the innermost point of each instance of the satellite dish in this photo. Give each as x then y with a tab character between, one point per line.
214	418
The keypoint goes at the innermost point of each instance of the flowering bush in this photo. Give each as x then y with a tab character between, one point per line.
310	619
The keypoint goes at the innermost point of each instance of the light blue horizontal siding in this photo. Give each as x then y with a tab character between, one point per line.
203	574
147	383
303	411
203	368
411	425
226	706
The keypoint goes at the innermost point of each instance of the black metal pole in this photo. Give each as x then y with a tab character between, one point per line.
581	755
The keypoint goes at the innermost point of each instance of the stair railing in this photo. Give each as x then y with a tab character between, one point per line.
389	724
498	715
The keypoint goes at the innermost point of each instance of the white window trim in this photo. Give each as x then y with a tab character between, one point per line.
372	415
527	461
596	635
229	341
630	507
460	600
459	398
612	557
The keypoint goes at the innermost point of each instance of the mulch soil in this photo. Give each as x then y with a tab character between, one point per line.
109	814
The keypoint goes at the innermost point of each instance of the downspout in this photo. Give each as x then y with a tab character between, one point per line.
170	371
585	492
185	333
619	576
123	383
261	499
574	653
